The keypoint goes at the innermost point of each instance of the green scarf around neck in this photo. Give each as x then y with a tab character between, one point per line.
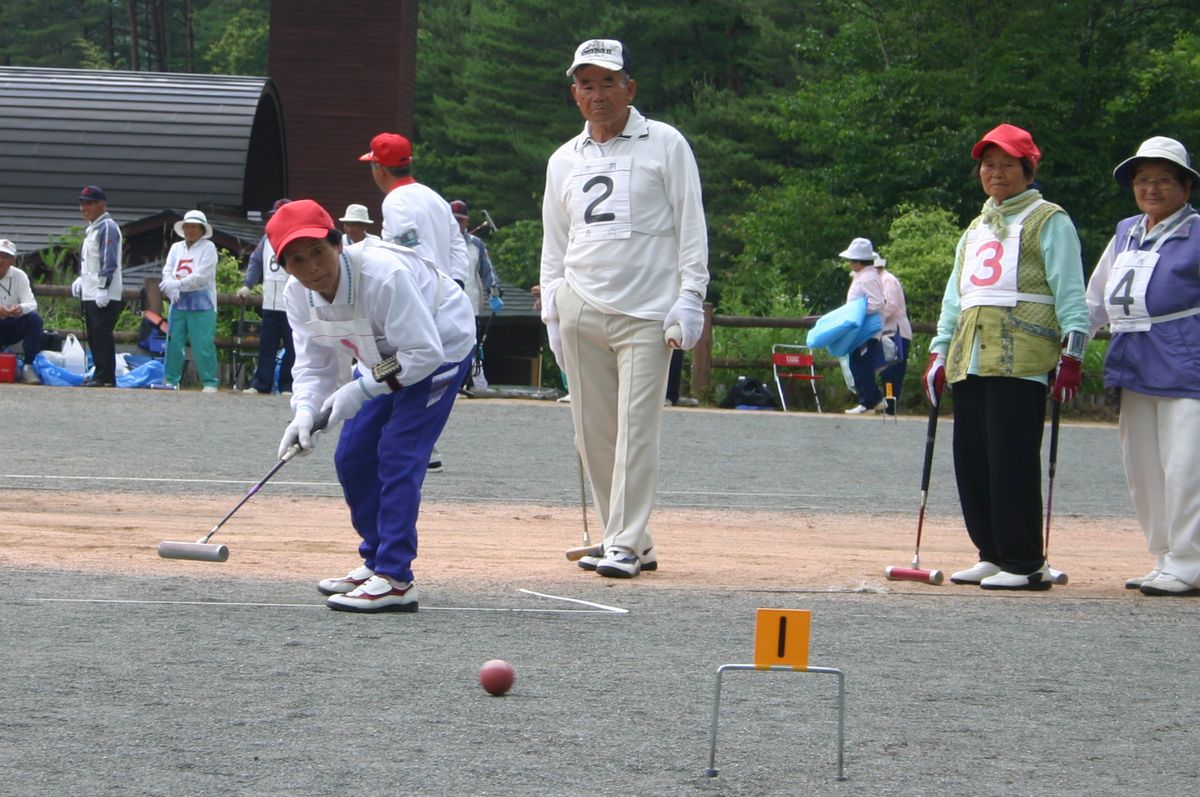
993	214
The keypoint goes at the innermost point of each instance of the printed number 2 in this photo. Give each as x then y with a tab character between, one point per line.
1122	292
590	217
992	263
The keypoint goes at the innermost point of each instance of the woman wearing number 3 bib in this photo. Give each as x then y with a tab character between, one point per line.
1013	310
1146	287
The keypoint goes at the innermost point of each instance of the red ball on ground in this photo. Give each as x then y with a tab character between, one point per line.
496	676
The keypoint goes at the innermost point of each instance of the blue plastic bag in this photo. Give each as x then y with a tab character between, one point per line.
54	375
145	375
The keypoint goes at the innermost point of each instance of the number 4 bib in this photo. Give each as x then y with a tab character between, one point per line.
600	192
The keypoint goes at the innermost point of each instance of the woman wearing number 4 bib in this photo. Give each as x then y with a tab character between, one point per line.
1146	287
1013	311
624	260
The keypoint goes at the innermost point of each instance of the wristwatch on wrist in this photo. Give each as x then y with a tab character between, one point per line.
387	371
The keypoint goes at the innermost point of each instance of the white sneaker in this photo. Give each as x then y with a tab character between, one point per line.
377	594
337	586
208	389
1039	579
859	410
881	406
1135	583
564	399
1167	584
649	561
29	376
975	574
250	392
619	563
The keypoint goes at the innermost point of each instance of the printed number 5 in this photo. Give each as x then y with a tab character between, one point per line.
606	183
991	263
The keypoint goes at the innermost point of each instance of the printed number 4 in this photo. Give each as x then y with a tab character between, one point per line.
1122	292
589	215
991	263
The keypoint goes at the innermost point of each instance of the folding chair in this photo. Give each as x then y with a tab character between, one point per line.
244	361
794	362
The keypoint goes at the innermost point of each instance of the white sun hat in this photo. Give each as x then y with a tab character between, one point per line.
1156	148
357	213
8	247
860	249
194	217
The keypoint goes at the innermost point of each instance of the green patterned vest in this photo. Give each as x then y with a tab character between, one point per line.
1013	341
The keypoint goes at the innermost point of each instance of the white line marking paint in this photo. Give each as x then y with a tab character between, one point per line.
609	609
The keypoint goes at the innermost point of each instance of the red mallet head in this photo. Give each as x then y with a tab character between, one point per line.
913	574
496	676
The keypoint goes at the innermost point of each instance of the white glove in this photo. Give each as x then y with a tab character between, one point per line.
688	313
555	336
348	399
243	293
101	298
171	289
299	431
77	288
549	307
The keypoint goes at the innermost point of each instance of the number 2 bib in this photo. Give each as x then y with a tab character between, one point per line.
600	191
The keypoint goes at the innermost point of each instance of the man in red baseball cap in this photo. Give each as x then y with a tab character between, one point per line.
416	216
412	332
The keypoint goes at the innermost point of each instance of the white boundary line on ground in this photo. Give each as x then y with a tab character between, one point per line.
599	608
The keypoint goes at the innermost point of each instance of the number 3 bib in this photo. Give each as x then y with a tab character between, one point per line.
600	191
989	272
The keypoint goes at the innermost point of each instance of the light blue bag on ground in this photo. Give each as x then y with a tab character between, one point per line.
145	375
55	375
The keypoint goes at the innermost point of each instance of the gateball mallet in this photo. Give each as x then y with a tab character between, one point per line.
587	549
204	551
915	572
1056	576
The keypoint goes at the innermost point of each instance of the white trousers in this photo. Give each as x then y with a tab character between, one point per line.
617	374
1160	447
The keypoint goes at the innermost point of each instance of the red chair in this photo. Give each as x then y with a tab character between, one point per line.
794	362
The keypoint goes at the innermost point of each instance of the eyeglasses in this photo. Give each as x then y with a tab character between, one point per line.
1143	183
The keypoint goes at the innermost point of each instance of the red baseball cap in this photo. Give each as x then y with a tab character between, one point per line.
1012	139
459	209
302	218
389	149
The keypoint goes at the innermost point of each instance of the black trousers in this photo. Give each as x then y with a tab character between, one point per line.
99	323
998	424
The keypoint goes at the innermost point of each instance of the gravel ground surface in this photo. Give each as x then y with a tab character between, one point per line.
138	683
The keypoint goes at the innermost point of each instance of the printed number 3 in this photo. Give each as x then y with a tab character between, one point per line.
991	263
589	215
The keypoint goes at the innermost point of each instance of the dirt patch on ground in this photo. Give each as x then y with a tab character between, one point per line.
513	545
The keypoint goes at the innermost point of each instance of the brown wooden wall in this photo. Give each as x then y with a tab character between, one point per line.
345	71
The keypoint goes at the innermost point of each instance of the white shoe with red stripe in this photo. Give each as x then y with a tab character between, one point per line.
337	586
377	594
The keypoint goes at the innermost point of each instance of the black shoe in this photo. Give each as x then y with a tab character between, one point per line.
99	384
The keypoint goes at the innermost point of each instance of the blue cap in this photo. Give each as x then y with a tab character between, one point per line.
93	193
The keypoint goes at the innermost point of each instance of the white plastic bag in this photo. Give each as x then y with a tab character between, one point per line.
74	359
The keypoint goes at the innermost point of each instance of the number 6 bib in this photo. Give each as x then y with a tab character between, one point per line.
600	192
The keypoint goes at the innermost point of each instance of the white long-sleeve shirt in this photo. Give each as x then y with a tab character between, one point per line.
895	308
866	282
195	266
624	221
398	293
15	290
416	216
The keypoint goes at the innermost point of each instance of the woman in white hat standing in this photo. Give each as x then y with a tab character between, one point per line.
190	283
1146	287
1012	310
865	282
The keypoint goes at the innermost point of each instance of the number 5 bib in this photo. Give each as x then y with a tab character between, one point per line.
600	192
989	272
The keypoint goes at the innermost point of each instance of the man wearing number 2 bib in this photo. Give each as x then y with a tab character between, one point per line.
1013	309
1146	288
624	260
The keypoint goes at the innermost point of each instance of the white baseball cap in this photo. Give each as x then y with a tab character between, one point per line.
880	262
8	247
860	249
194	217
1157	148
606	53
357	213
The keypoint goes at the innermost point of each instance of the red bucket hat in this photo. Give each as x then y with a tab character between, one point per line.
303	218
1012	139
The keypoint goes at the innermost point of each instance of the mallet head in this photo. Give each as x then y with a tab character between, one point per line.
893	573
196	551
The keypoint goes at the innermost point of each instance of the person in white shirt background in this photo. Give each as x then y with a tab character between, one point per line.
189	281
861	254
898	330
624	260
19	318
355	222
